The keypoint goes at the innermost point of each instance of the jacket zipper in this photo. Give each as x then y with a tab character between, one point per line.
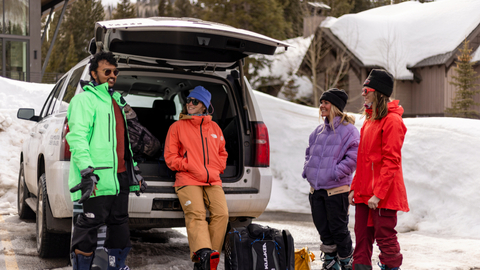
208	155
109	124
110	130
203	150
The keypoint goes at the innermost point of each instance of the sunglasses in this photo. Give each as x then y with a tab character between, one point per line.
365	90
193	100
109	71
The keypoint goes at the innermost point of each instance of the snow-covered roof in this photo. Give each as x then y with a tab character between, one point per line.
399	36
284	62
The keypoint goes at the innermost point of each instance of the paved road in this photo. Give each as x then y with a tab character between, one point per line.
152	249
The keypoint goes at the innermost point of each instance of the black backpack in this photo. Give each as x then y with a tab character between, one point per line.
258	247
142	141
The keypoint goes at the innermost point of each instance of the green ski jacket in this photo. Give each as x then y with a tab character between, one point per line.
93	141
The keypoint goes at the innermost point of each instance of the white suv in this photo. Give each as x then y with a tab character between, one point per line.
160	61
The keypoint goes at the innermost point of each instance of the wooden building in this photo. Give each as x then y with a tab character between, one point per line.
428	93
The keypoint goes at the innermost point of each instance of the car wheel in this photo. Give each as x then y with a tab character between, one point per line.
48	244
24	211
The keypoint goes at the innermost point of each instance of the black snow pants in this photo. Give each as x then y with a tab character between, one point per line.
330	216
111	210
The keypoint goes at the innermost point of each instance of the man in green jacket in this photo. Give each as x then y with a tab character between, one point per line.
102	171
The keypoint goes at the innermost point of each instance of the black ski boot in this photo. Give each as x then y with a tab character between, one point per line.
330	261
206	259
117	258
346	263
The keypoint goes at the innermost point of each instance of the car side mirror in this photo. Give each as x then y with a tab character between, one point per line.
27	114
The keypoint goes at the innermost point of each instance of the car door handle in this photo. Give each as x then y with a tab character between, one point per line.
41	131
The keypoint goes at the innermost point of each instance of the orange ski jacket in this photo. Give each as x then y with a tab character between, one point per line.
379	161
195	148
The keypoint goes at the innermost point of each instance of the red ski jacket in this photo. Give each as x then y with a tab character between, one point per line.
195	148
379	161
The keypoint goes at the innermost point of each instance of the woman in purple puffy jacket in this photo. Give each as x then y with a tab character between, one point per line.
330	160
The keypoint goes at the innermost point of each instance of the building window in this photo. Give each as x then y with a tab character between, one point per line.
16	60
15	17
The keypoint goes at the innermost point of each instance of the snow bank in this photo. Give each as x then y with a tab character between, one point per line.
14	95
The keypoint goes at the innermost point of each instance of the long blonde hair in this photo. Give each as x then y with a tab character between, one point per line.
379	107
334	111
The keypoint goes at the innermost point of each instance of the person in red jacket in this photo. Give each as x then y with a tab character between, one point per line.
195	149
378	190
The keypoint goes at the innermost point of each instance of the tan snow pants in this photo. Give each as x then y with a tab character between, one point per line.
195	200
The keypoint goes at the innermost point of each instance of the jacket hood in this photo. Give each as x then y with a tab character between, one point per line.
196	119
393	107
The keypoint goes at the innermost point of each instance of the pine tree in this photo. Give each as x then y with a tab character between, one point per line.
466	86
124	9
165	8
293	15
182	8
79	23
261	16
361	5
340	7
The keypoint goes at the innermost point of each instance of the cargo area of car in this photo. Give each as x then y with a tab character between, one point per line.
157	100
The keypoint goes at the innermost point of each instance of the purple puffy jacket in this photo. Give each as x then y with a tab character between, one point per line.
331	156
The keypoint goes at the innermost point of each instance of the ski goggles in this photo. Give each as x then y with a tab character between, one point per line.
193	100
365	90
108	71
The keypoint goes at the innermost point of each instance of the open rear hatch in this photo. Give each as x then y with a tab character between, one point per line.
181	41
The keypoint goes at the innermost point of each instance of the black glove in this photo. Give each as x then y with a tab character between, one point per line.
88	184
140	180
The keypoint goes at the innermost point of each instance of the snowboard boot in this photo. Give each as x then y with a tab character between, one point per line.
117	258
384	267
206	259
81	261
330	261
346	263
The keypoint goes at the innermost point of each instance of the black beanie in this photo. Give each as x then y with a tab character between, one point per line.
336	97
380	80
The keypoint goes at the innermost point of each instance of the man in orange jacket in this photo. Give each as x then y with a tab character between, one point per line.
195	149
378	190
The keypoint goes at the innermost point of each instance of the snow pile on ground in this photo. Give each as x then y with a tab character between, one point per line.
440	161
14	95
389	36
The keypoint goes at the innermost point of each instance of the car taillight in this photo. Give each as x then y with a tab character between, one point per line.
65	151
262	145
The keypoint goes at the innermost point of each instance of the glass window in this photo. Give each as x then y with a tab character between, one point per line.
71	88
1	56
17	17
52	98
16	60
1	16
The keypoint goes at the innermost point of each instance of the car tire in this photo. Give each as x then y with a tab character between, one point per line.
48	244
24	211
